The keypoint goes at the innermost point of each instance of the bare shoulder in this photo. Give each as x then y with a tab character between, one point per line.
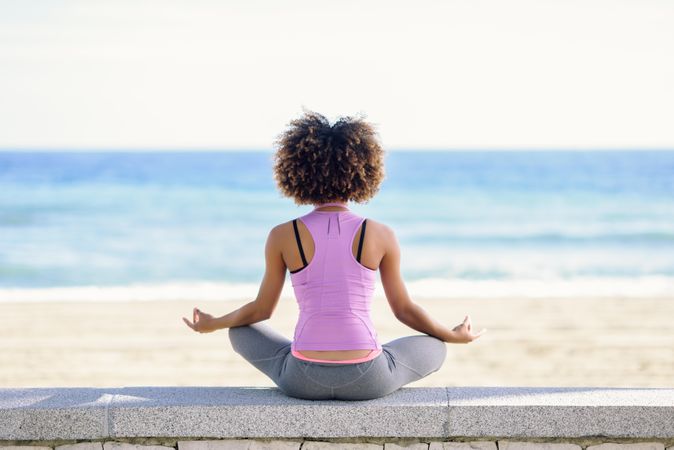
278	233
381	232
282	227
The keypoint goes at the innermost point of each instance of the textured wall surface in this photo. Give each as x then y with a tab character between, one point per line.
214	418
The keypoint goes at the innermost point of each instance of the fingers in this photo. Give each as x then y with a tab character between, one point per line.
195	319
480	333
462	324
189	324
195	324
469	326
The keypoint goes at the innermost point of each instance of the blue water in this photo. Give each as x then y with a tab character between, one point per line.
118	218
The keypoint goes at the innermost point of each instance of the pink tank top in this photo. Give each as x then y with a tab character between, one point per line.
334	291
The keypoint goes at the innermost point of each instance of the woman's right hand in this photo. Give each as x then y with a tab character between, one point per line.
463	333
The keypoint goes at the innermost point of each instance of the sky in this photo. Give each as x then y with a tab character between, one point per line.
446	74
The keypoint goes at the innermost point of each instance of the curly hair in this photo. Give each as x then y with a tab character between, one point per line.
318	163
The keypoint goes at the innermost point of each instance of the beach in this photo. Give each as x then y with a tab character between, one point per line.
566	257
611	342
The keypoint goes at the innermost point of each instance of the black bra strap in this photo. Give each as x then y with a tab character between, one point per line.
299	243
360	242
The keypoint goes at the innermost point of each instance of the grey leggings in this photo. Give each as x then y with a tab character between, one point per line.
402	361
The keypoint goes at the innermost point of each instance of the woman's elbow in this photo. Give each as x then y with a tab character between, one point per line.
403	314
261	315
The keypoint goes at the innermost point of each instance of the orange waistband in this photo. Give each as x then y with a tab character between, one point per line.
372	355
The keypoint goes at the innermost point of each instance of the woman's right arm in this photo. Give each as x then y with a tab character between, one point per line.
408	312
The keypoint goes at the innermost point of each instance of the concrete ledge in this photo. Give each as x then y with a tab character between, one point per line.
45	414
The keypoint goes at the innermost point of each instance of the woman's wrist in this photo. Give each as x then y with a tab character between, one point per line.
220	322
448	335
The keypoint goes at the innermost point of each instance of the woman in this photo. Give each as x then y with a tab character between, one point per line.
333	256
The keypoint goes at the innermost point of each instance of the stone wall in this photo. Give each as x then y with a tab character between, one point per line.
219	418
259	444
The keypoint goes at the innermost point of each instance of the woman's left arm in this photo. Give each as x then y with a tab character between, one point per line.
259	309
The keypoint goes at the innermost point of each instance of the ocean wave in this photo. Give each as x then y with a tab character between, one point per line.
546	238
637	287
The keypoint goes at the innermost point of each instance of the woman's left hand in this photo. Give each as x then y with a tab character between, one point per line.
202	322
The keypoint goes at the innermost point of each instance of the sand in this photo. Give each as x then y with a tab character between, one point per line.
619	342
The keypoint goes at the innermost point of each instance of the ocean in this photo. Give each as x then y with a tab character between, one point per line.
192	225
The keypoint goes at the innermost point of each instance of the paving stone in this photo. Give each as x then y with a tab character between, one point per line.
400	446
81	414
24	447
474	445
564	412
81	446
317	445
273	445
634	446
508	445
111	445
238	444
45	414
194	412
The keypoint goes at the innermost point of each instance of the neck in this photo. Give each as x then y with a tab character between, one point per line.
321	205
